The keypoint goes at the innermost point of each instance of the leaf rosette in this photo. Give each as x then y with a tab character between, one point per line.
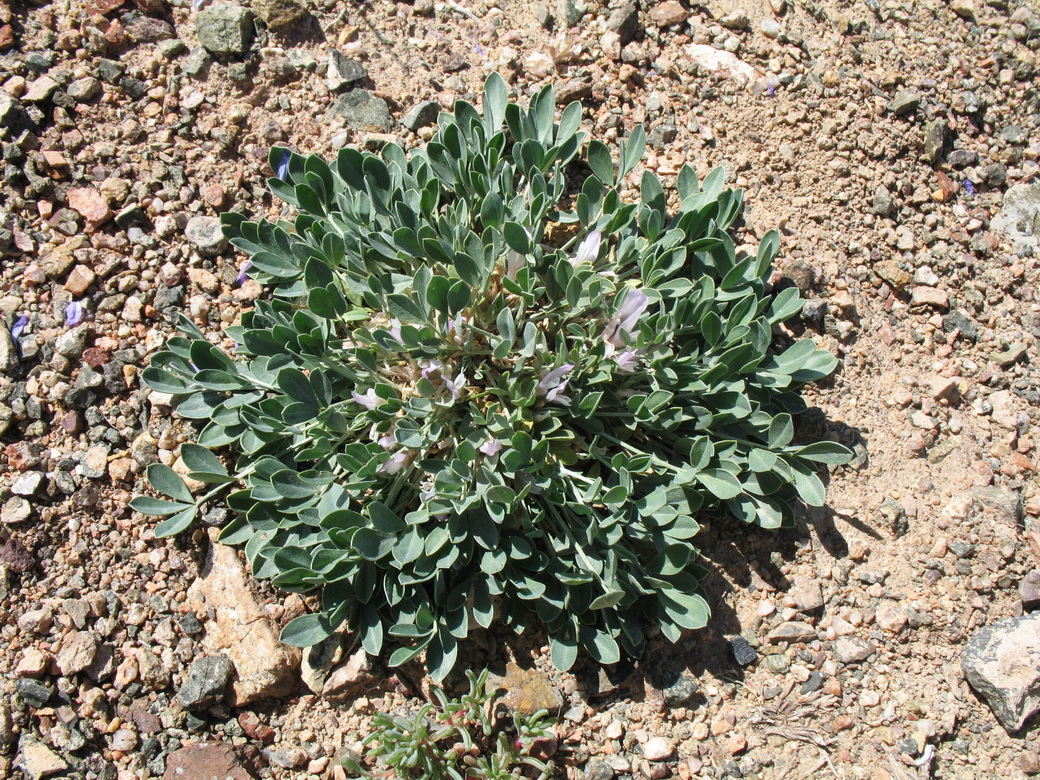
478	393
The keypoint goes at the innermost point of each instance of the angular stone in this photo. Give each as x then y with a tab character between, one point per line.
742	651
363	111
351	679
718	61
658	749
892	618
27	483
279	13
1005	504
930	296
207	235
37	760
1029	590
1019	219
1002	663
853	649
78	651
79	280
793	631
625	22
15	510
528	690
892	273
206	683
668	13
421	115
944	388
343	73
41	89
265	668
808	595
225	29
318	660
206	761
934	140
906	101
90	204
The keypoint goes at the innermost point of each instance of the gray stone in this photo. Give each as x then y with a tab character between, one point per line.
78	611
225	29
344	73
1002	663
206	682
1006	358
33	692
363	112
1029	590
197	62
598	770
71	343
994	174
883	203
625	22
206	235
894	517
682	692
808	595
959	321
569	12
1005	504
962	158
852	649
794	631
12	114
934	140
8	351
743	653
905	102
318	660
1019	219
421	115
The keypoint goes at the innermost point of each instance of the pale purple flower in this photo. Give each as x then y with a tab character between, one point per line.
553	383
588	250
395	330
455	386
969	187
455	329
369	400
397	462
386	440
514	262
197	4
243	275
627	361
625	321
282	171
74	314
19	326
491	447
428	367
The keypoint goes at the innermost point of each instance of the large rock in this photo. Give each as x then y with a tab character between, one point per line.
714	60
206	761
1019	220
363	112
225	29
78	651
351	679
1002	663
241	630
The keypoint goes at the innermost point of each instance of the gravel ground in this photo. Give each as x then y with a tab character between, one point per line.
895	144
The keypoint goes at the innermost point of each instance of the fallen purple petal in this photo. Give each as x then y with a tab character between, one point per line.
19	326
74	314
969	187
282	172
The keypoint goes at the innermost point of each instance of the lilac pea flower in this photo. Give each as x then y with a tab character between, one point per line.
282	171
74	314
397	462
428	367
455	329
491	447
455	386
553	383
369	400
588	250
969	187
514	262
197	4
627	361
395	330
19	327
627	318
243	275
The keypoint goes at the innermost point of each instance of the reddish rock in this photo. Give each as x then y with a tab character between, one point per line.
6	37
1029	590
90	204
214	195
206	761
79	280
254	729
95	358
22	456
668	13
